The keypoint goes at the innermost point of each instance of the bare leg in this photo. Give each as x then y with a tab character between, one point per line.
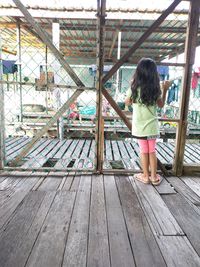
145	164
153	165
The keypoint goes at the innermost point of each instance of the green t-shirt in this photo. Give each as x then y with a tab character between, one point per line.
144	119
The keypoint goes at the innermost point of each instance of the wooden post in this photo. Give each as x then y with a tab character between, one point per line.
57	78
2	116
190	49
19	54
101	9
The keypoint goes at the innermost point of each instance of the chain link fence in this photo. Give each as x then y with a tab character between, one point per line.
36	86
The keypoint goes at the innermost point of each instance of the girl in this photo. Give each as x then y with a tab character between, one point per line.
145	94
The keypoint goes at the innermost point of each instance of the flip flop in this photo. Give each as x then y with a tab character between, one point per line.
140	177
157	181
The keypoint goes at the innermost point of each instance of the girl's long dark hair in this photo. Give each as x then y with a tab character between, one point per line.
147	79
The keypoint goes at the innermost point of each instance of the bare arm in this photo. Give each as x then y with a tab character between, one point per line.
128	101
164	87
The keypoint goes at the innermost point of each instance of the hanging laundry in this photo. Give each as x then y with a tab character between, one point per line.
163	72
9	66
195	77
172	93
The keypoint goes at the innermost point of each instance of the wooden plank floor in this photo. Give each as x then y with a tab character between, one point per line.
80	153
96	220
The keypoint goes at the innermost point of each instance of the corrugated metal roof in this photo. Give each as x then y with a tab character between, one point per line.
78	36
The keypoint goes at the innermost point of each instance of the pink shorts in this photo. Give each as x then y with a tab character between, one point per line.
147	146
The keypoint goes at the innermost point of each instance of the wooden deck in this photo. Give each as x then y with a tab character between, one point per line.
103	221
80	153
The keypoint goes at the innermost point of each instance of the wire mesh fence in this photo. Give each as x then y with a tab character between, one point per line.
36	86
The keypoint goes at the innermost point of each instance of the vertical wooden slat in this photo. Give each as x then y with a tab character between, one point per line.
19	54
101	9
190	49
2	117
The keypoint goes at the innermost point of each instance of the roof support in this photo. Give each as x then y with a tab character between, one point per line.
190	50
2	117
116	34
141	40
101	13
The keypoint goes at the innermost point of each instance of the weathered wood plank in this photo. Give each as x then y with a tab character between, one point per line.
193	151
85	152
193	183
187	218
165	188
120	249
131	148
65	144
70	149
37	147
184	190
76	247
68	182
50	184
178	252
57	148
16	150
76	153
35	162
75	183
62	163
145	249
92	150
123	151
21	251
109	155
7	209
15	142
115	149
158	215
166	158
49	248
14	232
98	248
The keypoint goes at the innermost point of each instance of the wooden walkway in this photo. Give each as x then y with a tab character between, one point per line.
80	153
104	221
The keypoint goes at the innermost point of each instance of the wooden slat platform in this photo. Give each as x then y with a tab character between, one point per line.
95	220
80	153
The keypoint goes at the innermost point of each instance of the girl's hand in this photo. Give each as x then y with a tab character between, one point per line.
166	84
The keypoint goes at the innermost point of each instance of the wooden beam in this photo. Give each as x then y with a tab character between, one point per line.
112	28
101	14
191	170
2	119
116	108
49	124
150	30
9	52
50	86
190	50
177	51
125	40
114	40
45	38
